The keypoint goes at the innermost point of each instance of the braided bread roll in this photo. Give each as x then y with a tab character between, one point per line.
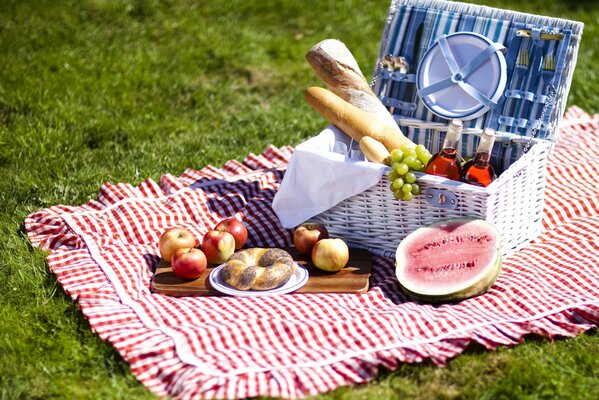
258	269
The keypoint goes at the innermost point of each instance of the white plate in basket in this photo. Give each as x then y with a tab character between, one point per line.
490	78
296	281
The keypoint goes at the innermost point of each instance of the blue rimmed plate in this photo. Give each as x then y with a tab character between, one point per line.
452	101
296	281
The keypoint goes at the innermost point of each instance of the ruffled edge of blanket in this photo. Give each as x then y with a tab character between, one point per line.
298	382
47	230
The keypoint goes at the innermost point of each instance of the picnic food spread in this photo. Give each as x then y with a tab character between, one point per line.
258	269
447	261
460	76
252	269
506	90
361	115
199	346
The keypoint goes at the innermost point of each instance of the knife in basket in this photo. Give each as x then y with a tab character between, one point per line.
412	40
411	90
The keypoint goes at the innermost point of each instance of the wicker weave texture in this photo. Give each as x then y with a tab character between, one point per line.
516	206
514	203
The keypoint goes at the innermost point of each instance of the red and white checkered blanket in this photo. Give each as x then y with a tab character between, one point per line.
303	344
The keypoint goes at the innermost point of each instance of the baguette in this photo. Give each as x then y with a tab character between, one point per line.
352	120
374	150
336	66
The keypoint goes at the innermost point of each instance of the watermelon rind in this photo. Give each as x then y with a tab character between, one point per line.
460	290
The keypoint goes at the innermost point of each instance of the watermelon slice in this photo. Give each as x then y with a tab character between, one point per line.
449	260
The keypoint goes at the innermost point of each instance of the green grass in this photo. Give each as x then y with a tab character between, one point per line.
119	91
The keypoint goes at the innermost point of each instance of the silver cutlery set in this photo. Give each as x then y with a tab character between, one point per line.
530	89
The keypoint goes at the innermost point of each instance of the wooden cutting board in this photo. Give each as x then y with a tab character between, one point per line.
351	279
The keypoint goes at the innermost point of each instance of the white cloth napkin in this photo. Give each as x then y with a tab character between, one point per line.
318	179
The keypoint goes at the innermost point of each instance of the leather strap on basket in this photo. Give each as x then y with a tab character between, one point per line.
458	75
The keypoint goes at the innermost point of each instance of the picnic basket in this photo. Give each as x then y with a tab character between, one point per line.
525	116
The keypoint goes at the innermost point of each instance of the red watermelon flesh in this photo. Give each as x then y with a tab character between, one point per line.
449	259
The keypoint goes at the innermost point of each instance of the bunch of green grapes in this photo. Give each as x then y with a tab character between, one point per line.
404	161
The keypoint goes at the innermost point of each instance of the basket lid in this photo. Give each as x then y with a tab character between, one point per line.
462	75
515	95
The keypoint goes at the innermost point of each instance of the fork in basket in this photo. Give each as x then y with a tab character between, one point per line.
547	74
522	64
548	71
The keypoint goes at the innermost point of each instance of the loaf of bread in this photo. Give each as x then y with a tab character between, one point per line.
352	120
374	150
336	66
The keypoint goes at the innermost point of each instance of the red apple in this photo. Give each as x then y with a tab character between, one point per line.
218	246
235	228
330	254
173	239
189	263
307	234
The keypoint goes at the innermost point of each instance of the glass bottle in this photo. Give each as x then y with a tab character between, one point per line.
478	171
447	162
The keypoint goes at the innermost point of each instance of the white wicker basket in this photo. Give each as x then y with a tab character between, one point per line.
514	202
374	219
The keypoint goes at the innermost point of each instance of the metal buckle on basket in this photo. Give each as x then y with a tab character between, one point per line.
441	198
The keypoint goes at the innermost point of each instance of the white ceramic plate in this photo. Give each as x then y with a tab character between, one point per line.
296	281
453	102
